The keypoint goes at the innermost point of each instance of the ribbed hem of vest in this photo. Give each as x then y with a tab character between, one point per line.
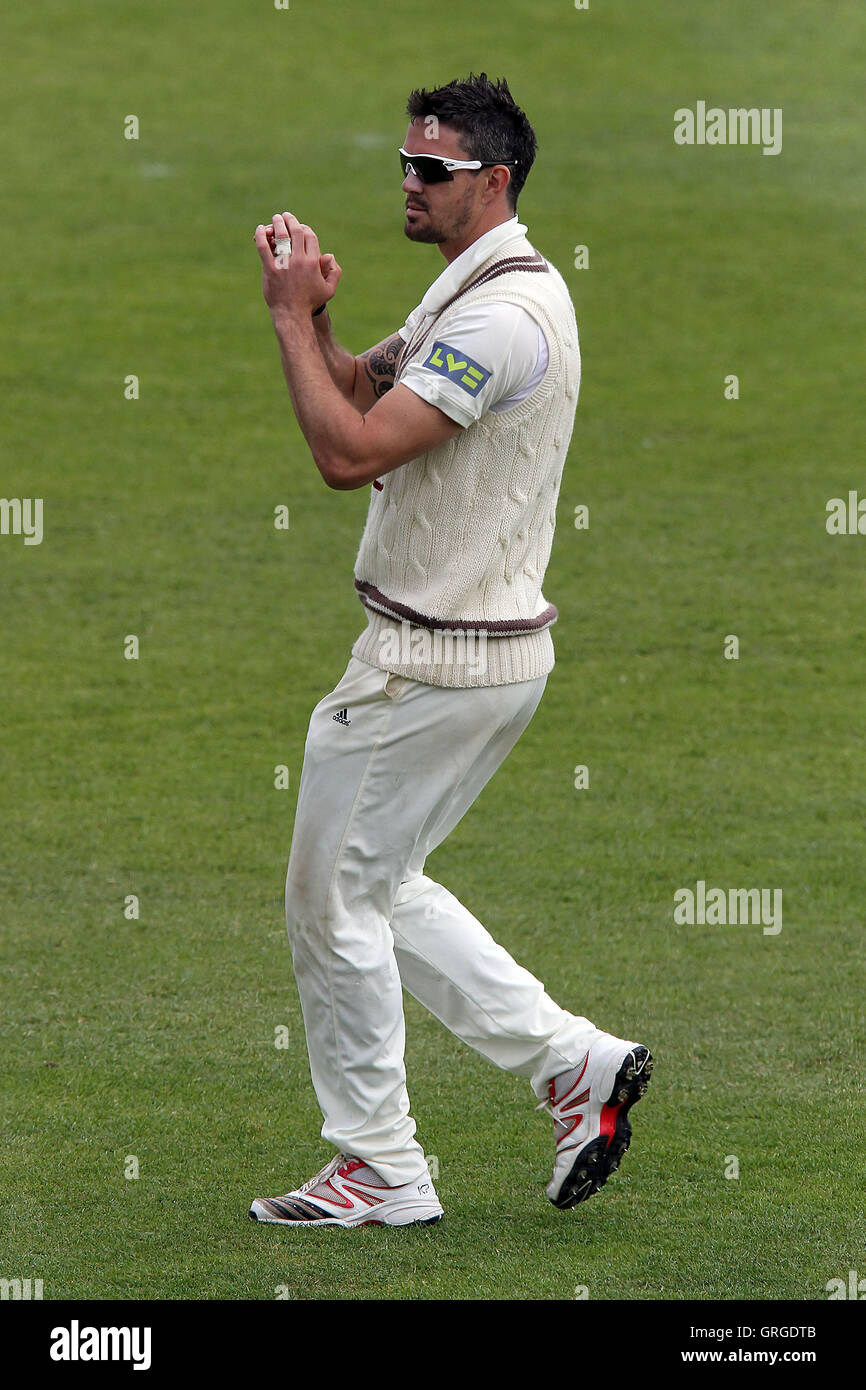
496	661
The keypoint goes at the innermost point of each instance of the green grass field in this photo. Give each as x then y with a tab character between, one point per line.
155	1037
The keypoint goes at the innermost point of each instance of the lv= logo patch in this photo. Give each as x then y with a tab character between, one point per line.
459	368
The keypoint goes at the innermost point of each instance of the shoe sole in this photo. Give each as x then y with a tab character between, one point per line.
602	1156
346	1226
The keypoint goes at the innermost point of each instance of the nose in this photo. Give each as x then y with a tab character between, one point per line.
412	183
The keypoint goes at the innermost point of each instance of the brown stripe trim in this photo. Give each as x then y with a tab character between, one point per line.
373	598
535	263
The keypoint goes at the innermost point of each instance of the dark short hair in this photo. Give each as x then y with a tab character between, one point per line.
490	123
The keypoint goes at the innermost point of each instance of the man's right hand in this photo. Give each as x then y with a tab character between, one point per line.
331	271
365	379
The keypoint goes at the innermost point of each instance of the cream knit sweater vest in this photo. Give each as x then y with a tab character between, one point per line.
456	543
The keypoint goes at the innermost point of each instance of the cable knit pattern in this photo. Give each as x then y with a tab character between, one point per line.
458	540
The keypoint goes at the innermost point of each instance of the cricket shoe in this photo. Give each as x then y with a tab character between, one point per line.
348	1193
590	1105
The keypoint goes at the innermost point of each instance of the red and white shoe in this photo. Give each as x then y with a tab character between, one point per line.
590	1105
348	1193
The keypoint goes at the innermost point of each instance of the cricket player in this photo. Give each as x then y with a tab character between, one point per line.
459	423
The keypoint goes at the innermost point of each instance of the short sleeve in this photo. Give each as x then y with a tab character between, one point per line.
484	354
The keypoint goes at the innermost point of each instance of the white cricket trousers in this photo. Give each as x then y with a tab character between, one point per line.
390	767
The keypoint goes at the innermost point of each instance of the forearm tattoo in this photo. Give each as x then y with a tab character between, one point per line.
380	364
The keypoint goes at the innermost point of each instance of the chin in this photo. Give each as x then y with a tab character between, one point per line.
420	233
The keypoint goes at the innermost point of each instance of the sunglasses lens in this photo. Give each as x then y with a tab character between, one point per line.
428	170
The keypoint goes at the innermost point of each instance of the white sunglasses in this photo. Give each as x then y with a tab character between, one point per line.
435	168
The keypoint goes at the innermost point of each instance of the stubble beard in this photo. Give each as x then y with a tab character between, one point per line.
436	232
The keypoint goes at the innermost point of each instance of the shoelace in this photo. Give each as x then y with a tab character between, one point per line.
323	1173
548	1104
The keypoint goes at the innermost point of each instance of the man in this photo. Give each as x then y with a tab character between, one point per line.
461	422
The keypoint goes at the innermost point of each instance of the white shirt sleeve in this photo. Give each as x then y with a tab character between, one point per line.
484	355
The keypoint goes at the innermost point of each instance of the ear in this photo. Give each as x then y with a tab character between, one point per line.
498	179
